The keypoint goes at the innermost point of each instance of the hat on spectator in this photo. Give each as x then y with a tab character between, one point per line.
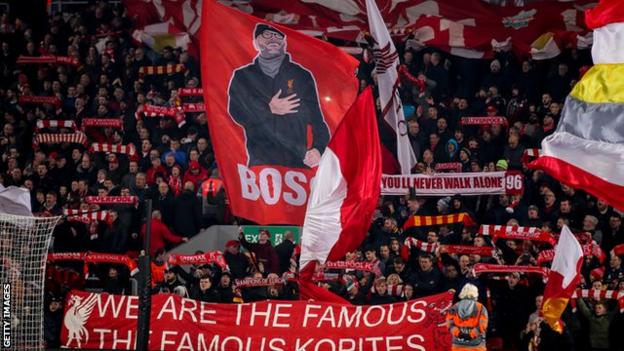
467	151
534	208
53	155
597	273
492	109
232	243
502	164
193	165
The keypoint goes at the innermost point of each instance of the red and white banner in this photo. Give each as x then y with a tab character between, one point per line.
103	321
449	184
475	29
269	133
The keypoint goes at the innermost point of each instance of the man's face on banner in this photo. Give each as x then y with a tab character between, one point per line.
271	44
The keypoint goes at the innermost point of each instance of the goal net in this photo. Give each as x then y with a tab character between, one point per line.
24	245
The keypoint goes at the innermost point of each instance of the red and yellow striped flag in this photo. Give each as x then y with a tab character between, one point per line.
426	221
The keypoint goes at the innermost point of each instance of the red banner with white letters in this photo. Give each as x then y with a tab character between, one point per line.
274	97
449	184
103	321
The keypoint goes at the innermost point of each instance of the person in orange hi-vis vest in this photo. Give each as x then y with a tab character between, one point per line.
467	321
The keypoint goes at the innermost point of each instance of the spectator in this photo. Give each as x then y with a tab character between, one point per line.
468	321
238	263
187	212
205	291
161	235
263	251
285	250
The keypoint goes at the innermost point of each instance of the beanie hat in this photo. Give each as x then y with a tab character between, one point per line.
502	164
232	243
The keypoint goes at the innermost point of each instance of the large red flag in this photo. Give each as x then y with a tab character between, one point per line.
346	189
274	97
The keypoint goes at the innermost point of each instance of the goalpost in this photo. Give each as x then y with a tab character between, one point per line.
24	243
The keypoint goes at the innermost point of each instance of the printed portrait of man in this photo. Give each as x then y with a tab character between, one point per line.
276	102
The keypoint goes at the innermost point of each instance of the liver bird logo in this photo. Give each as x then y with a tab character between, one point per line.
384	58
76	317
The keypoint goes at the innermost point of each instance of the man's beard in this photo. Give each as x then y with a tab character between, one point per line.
266	53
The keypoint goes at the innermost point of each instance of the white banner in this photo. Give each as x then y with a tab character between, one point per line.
449	184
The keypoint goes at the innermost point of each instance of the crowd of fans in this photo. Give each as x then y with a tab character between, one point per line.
173	163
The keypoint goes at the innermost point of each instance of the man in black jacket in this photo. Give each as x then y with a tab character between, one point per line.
285	250
275	100
238	263
187	212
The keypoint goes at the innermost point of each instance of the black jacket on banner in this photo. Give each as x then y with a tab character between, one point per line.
273	139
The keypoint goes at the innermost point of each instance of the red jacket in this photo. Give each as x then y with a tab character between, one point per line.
160	235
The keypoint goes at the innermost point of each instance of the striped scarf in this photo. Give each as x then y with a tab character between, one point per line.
39	100
182	92
68	60
194	107
112	200
486	120
160	70
102	123
86	216
598	295
395	290
425	221
114	148
516	233
355	265
161	111
55	123
45	138
421	245
494	268
205	258
92	257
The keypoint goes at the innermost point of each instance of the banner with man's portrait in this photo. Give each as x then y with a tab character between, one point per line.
273	98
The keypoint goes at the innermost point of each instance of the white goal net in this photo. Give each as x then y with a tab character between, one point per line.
24	245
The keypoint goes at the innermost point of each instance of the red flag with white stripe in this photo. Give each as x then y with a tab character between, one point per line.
346	188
